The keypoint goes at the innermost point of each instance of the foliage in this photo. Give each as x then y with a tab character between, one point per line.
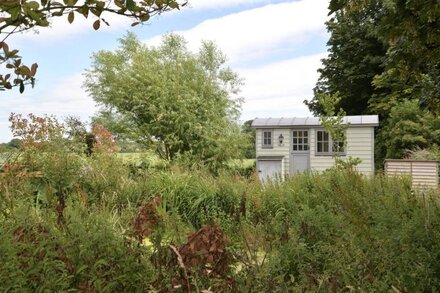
18	16
205	256
409	127
103	139
178	102
89	254
356	56
383	54
333	122
36	132
431	153
412	60
250	152
12	145
167	229
146	161
348	164
21	74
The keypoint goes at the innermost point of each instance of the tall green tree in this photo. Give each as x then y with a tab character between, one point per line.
382	55
411	63
179	102
356	55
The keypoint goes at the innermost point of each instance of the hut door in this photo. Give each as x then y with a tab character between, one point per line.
269	169
300	151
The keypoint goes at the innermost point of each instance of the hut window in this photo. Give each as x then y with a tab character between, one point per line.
267	138
325	145
300	140
322	142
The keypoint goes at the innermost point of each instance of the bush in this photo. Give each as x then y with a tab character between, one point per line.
90	253
331	231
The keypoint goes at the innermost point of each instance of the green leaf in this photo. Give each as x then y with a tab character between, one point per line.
173	5
14	12
56	4
43	22
71	17
119	3
21	87
131	5
100	5
145	17
33	5
84	11
25	71
34	15
13	53
57	13
96	11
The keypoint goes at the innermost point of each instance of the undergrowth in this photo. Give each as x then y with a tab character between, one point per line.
89	224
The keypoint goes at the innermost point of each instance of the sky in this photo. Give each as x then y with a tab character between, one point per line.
275	46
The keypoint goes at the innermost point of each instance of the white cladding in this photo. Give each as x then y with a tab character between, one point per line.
359	141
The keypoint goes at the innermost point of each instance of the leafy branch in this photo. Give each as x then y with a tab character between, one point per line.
21	15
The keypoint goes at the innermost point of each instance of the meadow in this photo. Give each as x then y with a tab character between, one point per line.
112	223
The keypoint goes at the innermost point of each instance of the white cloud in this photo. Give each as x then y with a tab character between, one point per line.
210	4
66	98
256	35
279	89
260	32
249	37
61	29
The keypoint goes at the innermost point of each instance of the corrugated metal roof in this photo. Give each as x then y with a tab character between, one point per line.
367	120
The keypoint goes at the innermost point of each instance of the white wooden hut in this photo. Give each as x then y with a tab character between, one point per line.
285	146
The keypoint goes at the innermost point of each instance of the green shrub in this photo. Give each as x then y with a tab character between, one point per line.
331	231
89	253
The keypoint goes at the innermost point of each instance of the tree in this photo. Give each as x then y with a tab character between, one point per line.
250	132
179	102
12	145
333	121
411	64
21	15
382	55
408	128
355	57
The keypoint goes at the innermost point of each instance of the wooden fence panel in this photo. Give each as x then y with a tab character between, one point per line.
424	174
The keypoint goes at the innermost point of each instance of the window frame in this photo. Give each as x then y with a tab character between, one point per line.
330	145
303	138
267	146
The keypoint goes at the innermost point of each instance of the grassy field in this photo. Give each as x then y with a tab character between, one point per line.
151	160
